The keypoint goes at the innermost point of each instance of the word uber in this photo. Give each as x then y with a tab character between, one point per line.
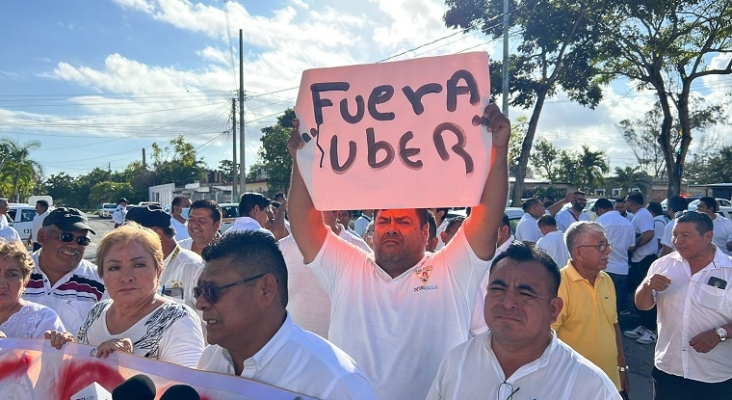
380	153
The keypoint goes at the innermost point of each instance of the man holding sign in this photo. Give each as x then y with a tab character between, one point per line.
399	311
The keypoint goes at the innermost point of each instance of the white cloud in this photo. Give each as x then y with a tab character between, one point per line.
214	54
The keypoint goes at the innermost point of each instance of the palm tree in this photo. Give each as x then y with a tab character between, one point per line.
629	177
594	165
18	172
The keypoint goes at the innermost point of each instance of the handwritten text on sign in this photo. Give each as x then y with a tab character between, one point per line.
393	135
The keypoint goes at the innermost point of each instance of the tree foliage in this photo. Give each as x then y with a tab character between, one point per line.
182	167
631	177
274	155
19	173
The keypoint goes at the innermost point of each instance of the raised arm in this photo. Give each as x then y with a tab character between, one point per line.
279	230
306	223
481	227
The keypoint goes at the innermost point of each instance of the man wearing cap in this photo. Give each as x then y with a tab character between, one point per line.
62	279
180	267
119	214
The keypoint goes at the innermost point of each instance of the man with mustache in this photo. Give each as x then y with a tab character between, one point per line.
399	311
589	320
573	214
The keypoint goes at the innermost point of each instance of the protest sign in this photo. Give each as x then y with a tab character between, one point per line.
30	369
395	135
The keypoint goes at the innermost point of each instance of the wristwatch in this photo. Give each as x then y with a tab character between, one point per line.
624	369
721	332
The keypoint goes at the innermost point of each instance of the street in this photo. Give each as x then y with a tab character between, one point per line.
101	226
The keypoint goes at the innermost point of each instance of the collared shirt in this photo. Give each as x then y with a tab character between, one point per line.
553	244
643	222
722	233
472	371
621	234
399	329
477	320
527	230
180	274
186	243
181	229
38	224
565	218
299	361
588	318
72	297
242	224
688	307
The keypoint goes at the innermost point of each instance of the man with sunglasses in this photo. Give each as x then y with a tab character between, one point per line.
62	279
589	319
399	311
242	293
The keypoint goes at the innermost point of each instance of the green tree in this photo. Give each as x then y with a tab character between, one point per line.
518	132
273	153
544	159
630	177
19	173
110	192
140	179
62	188
665	46
593	164
569	168
182	167
556	50
226	168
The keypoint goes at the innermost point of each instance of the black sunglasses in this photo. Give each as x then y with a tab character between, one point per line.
69	237
211	292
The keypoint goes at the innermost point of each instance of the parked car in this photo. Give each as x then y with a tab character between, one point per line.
229	213
106	210
722	203
20	217
514	215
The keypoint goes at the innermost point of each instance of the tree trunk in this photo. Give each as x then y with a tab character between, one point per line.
683	110
655	78
518	185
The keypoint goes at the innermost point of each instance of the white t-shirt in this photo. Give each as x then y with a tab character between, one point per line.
9	234
643	222
171	332
659	225
668	235
527	230
477	319
398	330
31	321
308	304
180	274
300	361
565	218
688	307
553	244
621	234
722	233
471	371
181	229
38	224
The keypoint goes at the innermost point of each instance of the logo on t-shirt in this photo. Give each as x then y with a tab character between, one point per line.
423	274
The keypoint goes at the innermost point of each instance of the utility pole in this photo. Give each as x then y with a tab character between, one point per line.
144	160
242	165
110	171
505	58
234	195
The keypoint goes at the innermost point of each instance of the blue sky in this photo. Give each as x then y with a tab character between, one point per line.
96	81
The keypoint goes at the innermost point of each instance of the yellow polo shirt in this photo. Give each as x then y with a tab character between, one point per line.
587	321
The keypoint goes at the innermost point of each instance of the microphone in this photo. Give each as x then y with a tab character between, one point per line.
180	392
139	387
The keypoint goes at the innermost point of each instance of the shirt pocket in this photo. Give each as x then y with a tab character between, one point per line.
709	297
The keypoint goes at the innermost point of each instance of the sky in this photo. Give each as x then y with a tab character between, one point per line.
98	81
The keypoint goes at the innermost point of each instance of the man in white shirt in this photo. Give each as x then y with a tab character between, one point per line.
451	228
180	207
659	222
363	221
575	213
441	221
204	221
399	311
643	253
553	240
180	266
242	293
620	208
676	204
253	214
722	226
7	232
527	229
41	213
691	289
520	357
118	216
621	234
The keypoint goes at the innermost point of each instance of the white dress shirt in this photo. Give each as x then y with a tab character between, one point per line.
722	233
553	244
565	218
643	222
527	229
181	229
38	224
242	224
621	234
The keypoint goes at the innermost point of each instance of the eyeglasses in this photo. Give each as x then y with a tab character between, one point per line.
211	292
601	247
506	391
69	237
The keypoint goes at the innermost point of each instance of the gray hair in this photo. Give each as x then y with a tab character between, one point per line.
3	200
573	233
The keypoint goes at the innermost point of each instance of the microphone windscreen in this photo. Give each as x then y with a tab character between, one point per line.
139	387
180	392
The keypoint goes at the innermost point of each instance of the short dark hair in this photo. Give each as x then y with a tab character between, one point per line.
251	253
454	221
505	221
212	205
702	221
433	224
655	207
42	203
518	251
710	202
279	195
444	212
251	199
546	220
422	215
620	200
579	193
530	203
603	203
177	200
635	197
677	203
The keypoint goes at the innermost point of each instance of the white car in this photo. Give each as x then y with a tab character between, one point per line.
20	216
106	210
229	213
514	215
722	203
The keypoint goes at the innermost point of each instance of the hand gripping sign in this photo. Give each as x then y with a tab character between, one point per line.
404	134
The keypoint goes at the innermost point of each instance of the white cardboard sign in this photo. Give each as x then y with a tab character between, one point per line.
404	134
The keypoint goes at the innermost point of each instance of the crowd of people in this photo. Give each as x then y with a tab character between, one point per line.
407	304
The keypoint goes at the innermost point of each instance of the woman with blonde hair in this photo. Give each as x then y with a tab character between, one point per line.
20	318
137	319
